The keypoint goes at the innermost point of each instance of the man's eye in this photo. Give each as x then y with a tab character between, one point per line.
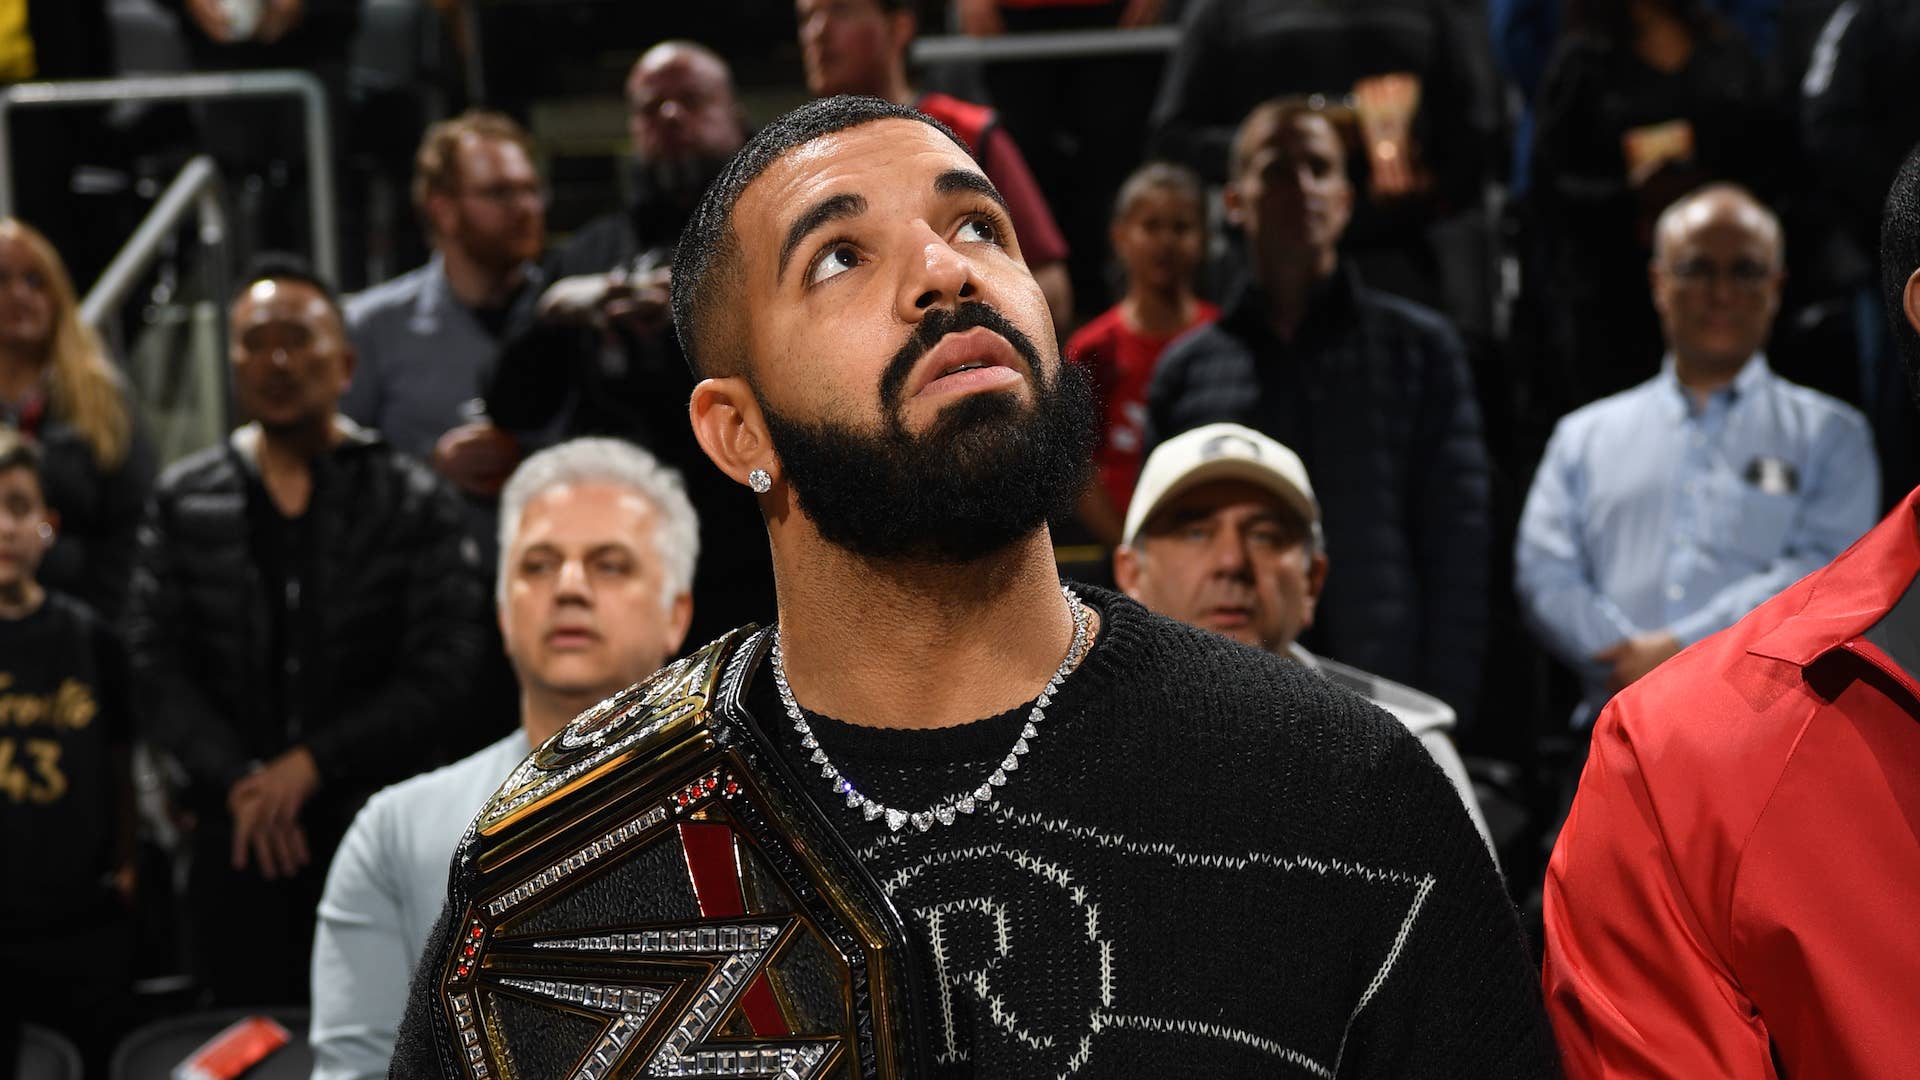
834	261
1267	538
980	231
611	567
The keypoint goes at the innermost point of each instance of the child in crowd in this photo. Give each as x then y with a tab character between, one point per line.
1157	236
66	788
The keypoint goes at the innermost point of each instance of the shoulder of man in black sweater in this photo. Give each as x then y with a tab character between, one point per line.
1255	757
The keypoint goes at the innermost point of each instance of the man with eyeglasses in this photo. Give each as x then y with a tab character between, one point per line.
1664	513
427	339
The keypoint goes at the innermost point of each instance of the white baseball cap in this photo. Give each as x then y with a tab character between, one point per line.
1218	452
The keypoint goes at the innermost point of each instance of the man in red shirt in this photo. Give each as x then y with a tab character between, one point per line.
1157	233
1733	892
860	47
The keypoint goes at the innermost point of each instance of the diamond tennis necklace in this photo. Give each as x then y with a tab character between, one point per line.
946	810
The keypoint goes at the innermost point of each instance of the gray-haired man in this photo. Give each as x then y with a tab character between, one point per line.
598	544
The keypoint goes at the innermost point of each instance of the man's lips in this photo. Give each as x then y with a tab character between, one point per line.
1229	615
571	637
970	360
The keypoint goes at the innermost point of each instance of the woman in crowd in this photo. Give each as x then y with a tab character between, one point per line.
58	386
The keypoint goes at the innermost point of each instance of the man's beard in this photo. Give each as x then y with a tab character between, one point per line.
681	180
499	250
987	472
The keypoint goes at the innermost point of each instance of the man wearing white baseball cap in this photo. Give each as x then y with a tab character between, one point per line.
1224	533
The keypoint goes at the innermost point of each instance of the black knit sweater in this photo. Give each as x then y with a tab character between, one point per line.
1209	863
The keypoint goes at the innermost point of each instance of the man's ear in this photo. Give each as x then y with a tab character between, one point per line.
1317	565
679	617
1910	301
440	211
727	422
900	27
1231	205
52	518
349	363
1126	570
1656	284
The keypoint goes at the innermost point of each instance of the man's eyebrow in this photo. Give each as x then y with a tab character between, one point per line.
1186	515
967	180
830	209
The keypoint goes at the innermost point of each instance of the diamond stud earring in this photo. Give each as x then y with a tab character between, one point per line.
759	481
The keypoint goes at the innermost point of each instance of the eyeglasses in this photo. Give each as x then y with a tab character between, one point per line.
504	193
1740	274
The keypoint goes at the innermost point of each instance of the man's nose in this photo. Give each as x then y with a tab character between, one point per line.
936	275
573	580
1228	553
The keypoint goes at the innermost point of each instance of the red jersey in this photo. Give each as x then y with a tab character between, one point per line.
1121	361
1041	241
1734	892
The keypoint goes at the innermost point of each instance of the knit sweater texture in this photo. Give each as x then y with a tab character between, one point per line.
1208	863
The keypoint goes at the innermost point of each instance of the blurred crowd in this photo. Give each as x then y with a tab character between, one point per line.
1481	356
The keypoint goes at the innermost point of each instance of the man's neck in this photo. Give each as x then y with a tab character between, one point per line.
1289	283
896	88
1158	312
21	599
285	458
913	645
1704	377
544	713
476	285
20	371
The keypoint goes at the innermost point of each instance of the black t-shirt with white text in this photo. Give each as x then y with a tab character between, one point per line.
62	710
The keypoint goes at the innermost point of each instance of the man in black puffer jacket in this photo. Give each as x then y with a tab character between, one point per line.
305	606
1374	394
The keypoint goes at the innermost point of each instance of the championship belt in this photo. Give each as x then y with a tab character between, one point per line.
652	894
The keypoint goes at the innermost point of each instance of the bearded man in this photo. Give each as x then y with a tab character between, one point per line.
948	817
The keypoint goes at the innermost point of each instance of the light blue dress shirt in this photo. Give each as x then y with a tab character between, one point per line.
384	890
1652	511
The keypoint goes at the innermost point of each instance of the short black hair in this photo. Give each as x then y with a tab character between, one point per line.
286	266
1899	258
706	261
18	450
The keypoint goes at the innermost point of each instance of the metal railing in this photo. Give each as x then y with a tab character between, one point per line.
1044	45
156	88
196	189
176	362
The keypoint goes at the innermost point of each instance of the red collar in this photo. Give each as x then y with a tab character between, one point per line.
26	415
1847	597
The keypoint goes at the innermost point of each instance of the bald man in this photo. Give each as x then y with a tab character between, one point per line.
602	359
1664	513
683	123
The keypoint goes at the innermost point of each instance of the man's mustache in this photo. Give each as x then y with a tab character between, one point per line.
938	323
